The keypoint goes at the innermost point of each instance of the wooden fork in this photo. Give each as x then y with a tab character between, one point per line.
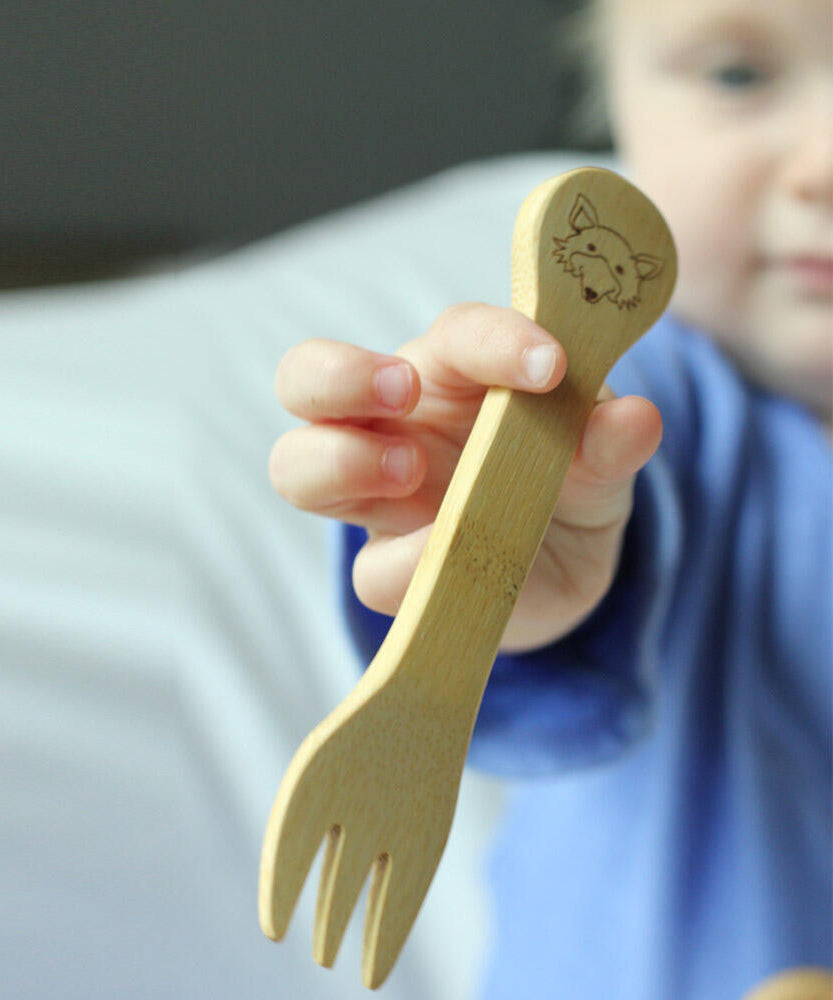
594	263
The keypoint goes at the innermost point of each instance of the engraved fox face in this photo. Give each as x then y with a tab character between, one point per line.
602	259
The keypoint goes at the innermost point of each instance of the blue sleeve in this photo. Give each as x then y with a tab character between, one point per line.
585	698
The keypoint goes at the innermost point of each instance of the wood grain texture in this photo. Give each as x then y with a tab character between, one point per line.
594	264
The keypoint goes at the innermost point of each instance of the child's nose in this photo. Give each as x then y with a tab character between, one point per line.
809	170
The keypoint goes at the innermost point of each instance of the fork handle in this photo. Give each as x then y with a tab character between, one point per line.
502	495
490	525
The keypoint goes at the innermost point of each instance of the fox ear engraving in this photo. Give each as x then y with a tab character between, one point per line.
647	266
583	214
602	259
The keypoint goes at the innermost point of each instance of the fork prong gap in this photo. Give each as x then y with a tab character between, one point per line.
329	870
343	874
378	885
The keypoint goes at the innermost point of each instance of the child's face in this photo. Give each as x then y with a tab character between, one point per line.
723	112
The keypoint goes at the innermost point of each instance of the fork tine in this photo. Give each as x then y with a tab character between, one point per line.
392	907
291	842
343	874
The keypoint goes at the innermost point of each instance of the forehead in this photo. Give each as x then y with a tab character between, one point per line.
805	21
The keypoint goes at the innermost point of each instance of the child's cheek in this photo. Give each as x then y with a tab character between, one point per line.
707	247
709	193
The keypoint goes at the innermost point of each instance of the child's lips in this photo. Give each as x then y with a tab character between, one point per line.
813	272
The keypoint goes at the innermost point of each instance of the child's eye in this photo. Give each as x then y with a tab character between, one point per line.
591	247
620	269
737	76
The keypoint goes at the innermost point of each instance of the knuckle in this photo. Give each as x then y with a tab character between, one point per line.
334	379
495	341
483	335
340	464
469	330
454	316
301	364
452	313
320	472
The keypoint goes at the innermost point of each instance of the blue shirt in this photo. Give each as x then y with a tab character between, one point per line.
669	834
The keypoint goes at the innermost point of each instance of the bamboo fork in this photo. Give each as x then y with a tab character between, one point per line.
594	263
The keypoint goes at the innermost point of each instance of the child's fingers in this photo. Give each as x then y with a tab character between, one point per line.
619	438
473	344
329	380
384	566
324	466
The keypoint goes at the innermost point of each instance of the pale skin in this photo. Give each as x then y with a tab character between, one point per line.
723	112
750	202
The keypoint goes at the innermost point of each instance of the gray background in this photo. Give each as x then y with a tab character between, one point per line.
130	129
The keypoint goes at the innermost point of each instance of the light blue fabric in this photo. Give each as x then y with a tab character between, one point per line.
673	836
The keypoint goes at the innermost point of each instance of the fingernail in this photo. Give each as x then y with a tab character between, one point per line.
398	463
393	385
538	363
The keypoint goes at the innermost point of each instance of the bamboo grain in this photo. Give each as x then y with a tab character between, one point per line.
594	264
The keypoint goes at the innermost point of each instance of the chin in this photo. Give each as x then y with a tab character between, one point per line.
813	388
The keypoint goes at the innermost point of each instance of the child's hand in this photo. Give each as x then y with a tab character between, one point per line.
385	435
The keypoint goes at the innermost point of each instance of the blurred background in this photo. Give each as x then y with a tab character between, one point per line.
133	131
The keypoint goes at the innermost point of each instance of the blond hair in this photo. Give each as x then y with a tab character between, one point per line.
579	44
